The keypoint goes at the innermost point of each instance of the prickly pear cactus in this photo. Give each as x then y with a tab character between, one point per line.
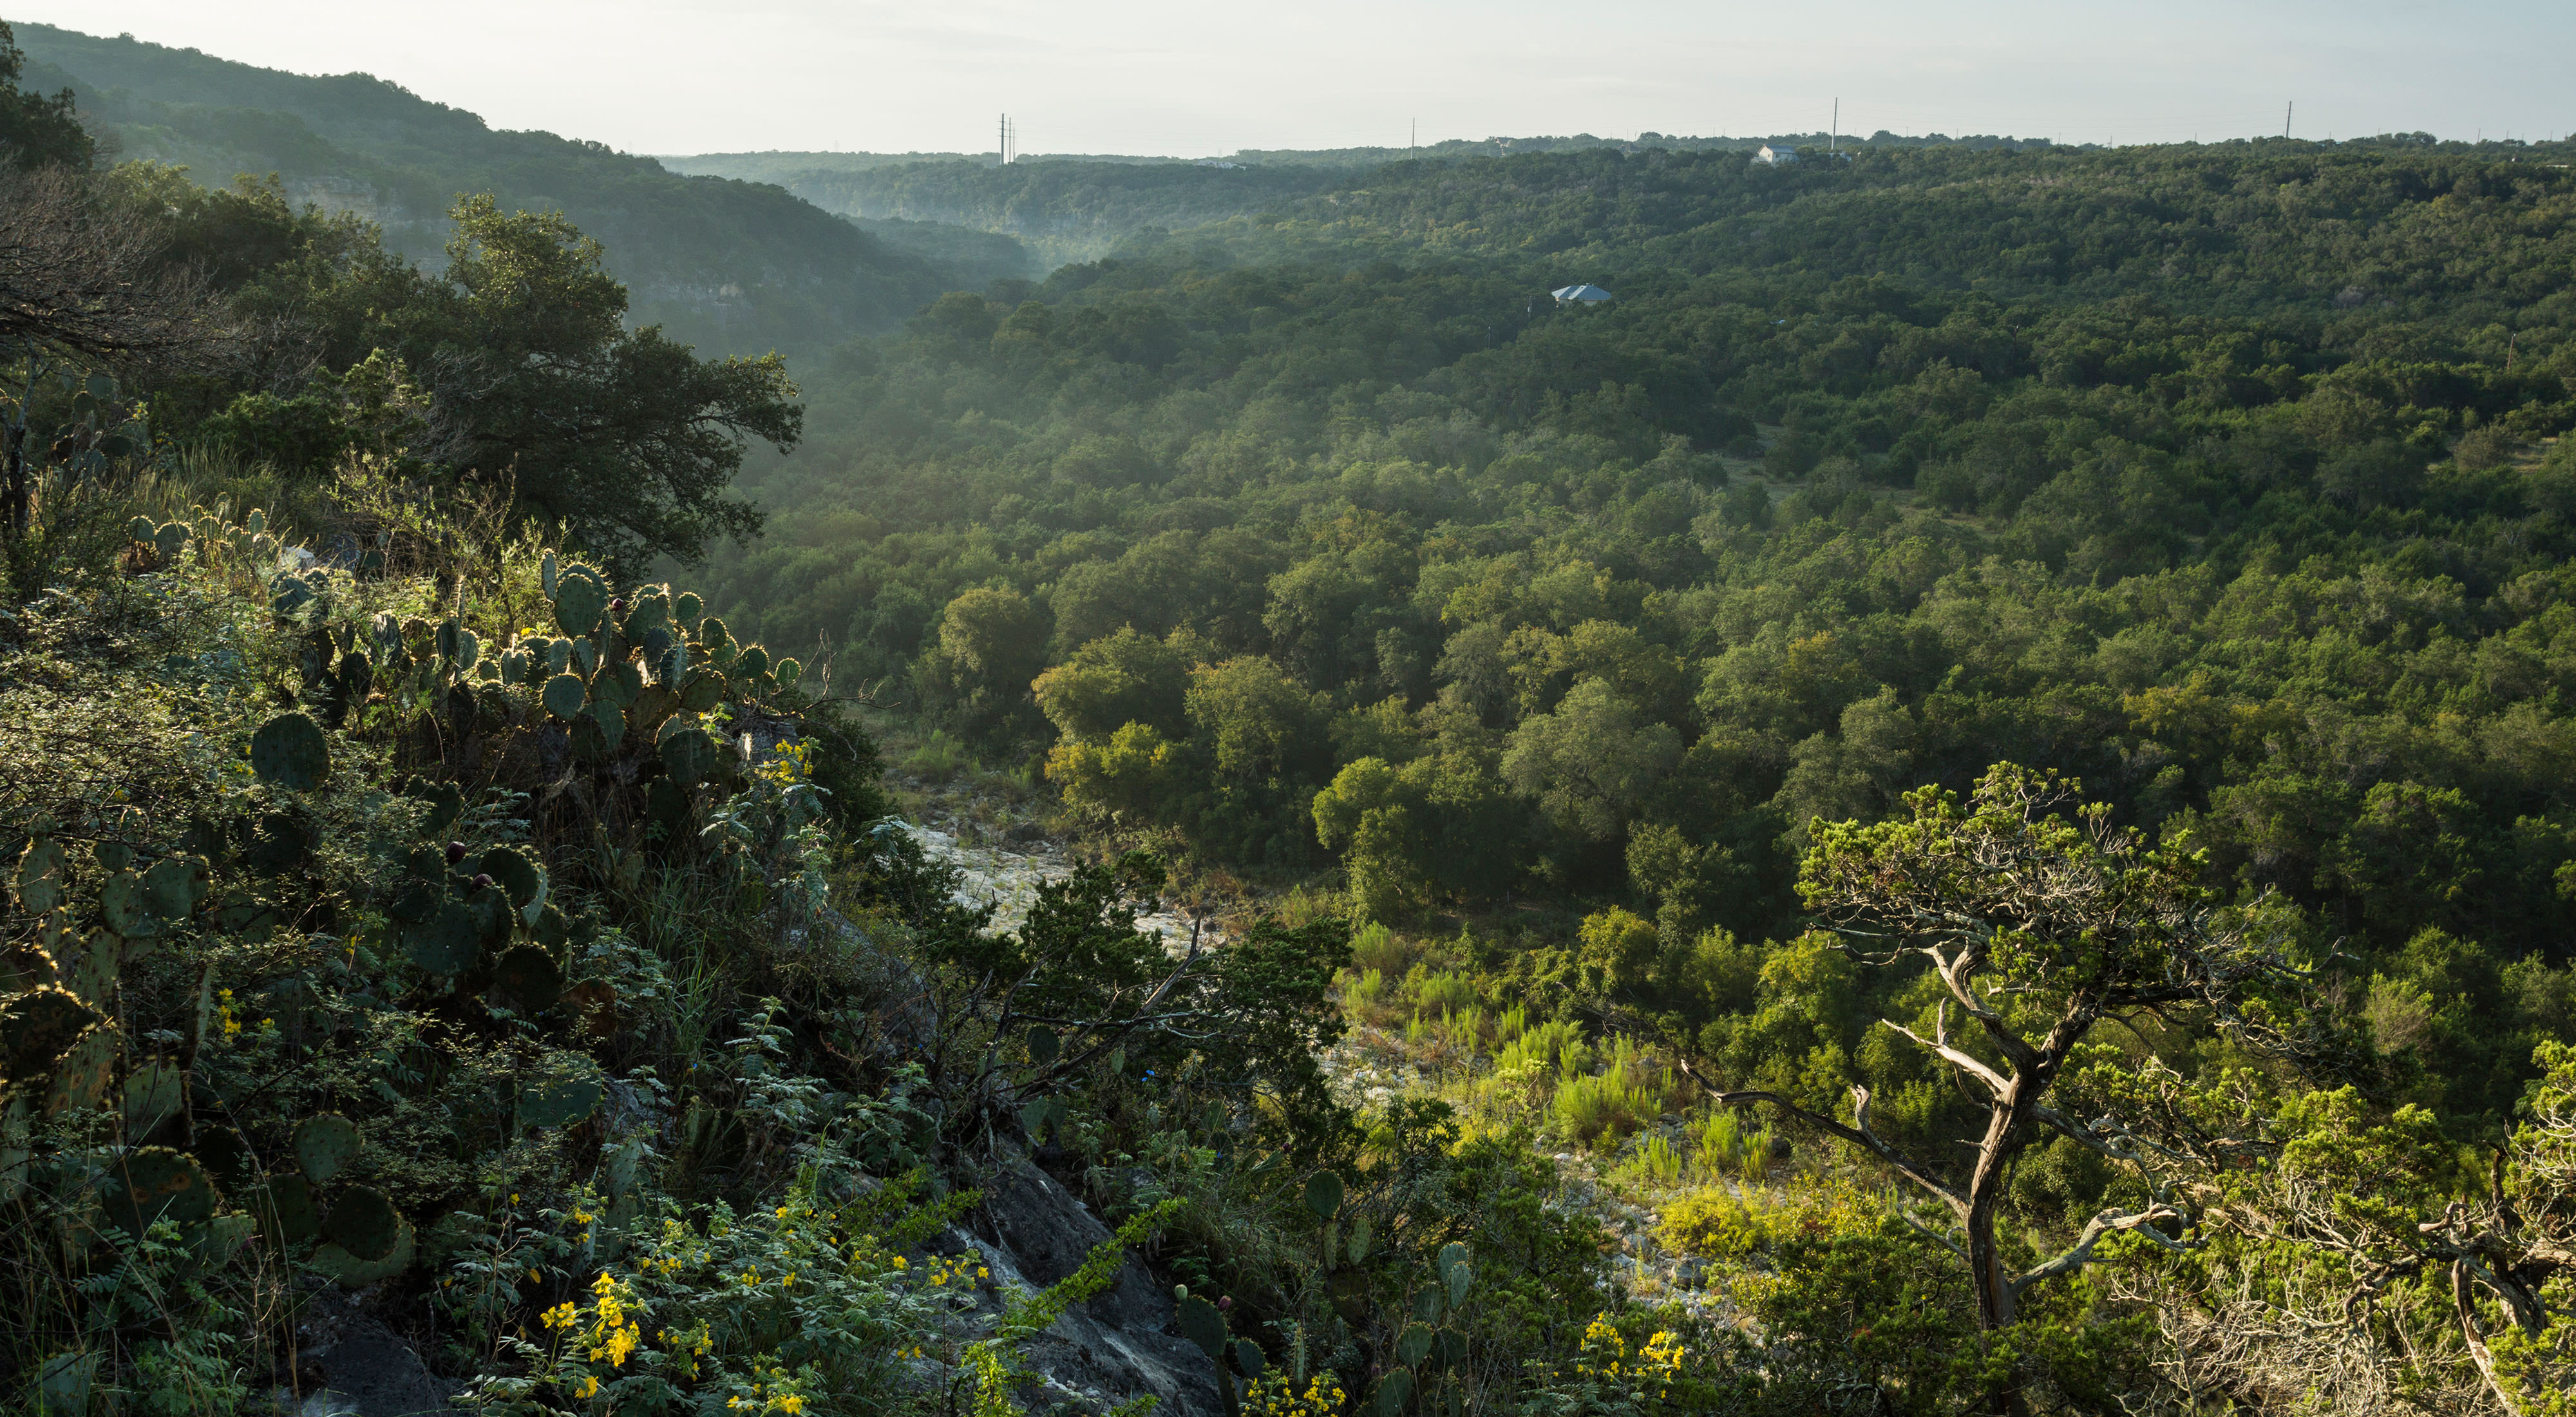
82	1078
38	1027
527	980
325	1145
175	886
284	1208
154	1183
559	1104
364	1223
688	753
448	942
581	597
156	1090
511	869
290	751
564	695
41	869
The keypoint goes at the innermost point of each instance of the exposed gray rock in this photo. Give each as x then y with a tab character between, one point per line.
1122	1344
369	1371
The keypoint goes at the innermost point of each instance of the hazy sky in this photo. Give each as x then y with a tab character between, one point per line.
1153	76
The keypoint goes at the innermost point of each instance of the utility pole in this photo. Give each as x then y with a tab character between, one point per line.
2285	117
1002	142
1413	139
1835	136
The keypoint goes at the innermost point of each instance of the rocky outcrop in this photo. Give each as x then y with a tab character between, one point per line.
1125	1342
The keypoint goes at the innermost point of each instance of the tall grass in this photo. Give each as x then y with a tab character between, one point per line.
1724	1147
1599	1108
1361	994
1377	947
1546	1045
1445	992
1656	1162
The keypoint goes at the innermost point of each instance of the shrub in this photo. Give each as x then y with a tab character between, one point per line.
1711	1224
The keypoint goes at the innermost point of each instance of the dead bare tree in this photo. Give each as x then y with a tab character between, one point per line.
2040	926
83	286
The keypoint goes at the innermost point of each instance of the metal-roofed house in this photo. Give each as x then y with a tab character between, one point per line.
1580	295
1780	156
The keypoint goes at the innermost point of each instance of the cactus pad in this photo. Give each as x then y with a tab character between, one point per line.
24	966
139	529
156	1090
415	903
1043	1044
620	683
580	597
81	1076
350	1272
1324	1196
1392	1390
704	691
90	965
512	871
446	803
494	917
38	1027
1457	1270
469	649
363	1223
42	870
120	904
688	754
526	979
173	887
1414	1344
787	673
289	751
156	1183
612	724
447	942
1203	1325
325	1145
169	539
559	1104
564	695
754	661
284	1208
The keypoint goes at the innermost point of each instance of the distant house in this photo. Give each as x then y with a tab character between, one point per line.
1780	156
1580	295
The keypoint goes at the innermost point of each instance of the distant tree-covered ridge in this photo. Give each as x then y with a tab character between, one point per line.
730	266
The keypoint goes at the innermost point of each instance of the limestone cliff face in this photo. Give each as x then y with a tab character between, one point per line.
1124	1343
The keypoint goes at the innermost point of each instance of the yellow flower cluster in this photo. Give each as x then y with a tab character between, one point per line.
788	765
1605	1352
772	1391
1274	1395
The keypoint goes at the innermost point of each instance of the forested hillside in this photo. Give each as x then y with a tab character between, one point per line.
2219	479
1062	210
1958	801
732	267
